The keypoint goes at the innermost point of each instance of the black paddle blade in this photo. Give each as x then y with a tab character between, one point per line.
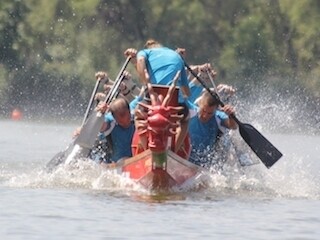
268	153
90	130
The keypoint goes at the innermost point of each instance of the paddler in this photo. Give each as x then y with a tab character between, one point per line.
162	65
206	120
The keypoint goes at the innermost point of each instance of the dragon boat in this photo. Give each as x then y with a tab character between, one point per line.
158	167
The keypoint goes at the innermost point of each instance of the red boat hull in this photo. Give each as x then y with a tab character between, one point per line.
143	169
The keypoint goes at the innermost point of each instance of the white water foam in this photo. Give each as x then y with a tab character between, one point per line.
295	175
283	181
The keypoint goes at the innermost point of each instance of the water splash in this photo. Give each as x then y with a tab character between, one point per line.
283	181
276	116
285	112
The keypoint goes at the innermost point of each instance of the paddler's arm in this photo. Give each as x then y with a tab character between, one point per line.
139	62
141	68
184	86
230	122
131	52
103	108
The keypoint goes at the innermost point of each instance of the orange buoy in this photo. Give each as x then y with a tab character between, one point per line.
16	114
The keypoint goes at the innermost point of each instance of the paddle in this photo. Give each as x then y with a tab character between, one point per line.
94	92
61	156
267	153
91	128
83	143
244	158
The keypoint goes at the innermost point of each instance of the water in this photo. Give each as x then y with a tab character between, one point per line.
84	202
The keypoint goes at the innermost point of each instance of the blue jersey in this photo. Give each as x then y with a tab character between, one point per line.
204	134
163	64
121	137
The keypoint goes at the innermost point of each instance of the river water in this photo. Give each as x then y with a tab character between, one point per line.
84	202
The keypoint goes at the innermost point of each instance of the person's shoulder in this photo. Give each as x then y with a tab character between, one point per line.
173	52
163	49
143	53
166	48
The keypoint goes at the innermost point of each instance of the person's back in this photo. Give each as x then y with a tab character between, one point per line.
163	64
